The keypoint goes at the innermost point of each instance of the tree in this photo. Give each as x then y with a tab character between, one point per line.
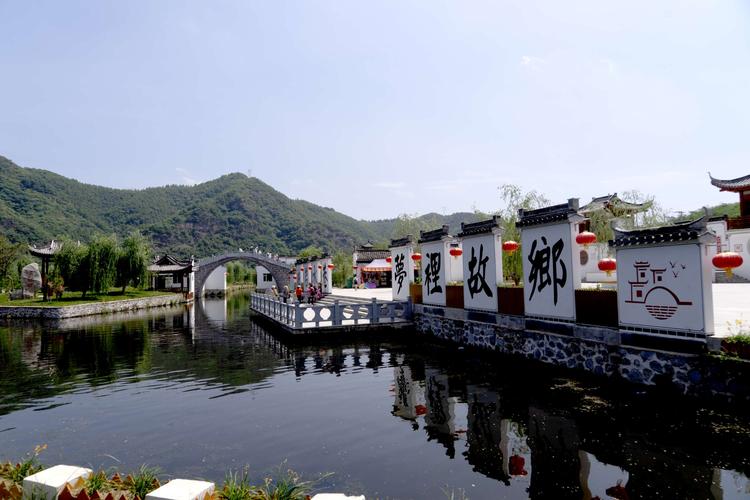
310	251
343	269
102	264
515	198
132	261
70	266
9	252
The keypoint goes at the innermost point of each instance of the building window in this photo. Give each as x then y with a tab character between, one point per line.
639	293
267	277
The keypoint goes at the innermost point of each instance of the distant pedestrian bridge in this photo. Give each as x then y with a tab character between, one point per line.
204	267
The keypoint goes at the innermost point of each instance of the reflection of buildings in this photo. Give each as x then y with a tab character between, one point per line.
409	394
516	452
484	434
730	485
439	420
600	480
554	444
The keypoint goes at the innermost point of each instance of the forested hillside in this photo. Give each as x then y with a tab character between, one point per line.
230	212
233	211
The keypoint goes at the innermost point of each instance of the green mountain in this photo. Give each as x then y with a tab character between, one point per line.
233	211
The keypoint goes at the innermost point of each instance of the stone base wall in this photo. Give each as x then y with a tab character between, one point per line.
596	350
20	312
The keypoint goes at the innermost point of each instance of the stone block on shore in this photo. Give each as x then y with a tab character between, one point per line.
182	489
50	482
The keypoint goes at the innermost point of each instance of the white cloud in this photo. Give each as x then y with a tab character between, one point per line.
533	63
390	185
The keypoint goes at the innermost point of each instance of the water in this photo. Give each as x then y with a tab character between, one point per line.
204	390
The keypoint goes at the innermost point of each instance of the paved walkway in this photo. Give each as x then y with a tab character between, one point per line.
731	304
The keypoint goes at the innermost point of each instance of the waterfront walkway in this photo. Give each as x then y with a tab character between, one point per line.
347	311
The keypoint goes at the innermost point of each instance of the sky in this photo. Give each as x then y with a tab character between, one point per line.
383	108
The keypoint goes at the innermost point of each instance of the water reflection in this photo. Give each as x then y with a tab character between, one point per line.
390	418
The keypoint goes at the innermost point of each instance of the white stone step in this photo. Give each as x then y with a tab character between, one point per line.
50	482
182	489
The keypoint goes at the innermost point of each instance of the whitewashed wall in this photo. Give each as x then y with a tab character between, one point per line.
402	271
434	272
482	271
217	280
550	293
665	287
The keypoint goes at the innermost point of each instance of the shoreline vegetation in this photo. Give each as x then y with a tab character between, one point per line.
282	484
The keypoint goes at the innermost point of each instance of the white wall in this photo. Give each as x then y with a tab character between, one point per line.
217	280
739	241
261	275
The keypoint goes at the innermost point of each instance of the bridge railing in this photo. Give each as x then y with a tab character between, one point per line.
298	316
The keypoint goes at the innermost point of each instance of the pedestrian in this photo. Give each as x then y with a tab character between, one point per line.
298	293
285	294
275	292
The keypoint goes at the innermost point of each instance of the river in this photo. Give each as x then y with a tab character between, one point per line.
200	391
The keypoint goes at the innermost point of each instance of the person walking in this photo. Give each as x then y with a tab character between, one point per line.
285	294
298	293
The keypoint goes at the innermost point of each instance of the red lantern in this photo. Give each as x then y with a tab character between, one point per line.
416	257
607	265
320	266
727	261
585	238
354	268
389	259
455	252
510	246
331	266
309	268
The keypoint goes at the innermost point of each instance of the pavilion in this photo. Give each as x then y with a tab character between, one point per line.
733	233
169	273
741	186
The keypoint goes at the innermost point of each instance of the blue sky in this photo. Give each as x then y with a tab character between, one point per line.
382	108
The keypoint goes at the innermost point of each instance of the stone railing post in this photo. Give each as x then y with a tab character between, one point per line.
337	313
374	311
297	316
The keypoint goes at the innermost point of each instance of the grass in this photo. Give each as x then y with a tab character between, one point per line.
75	298
96	482
236	487
144	481
740	338
284	485
28	466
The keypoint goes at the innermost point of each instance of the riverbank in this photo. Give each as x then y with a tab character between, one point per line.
52	311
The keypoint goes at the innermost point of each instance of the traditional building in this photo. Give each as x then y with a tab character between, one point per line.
264	279
171	274
370	265
733	233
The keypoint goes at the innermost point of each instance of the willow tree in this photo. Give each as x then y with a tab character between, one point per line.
132	261
102	264
71	265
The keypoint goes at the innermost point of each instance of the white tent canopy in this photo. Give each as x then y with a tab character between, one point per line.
377	266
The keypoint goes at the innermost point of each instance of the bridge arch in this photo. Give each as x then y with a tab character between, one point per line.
278	269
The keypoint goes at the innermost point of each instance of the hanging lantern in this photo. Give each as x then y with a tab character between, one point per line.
455	252
354	268
416	257
389	259
727	261
607	265
331	266
585	238
320	266
309	268
510	246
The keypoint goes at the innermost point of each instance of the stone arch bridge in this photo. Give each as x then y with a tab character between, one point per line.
204	267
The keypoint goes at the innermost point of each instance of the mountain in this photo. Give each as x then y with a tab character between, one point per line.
233	211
